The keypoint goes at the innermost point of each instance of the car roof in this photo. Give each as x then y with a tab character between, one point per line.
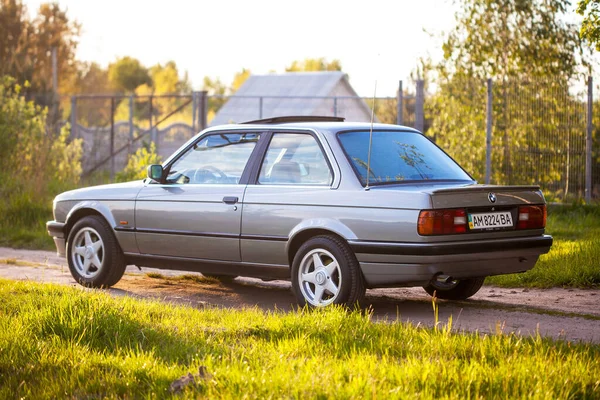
319	124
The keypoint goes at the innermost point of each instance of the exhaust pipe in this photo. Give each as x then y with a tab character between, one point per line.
441	278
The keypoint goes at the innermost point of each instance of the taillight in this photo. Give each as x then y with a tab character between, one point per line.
442	222
532	217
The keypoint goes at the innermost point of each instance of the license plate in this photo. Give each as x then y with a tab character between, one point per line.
490	220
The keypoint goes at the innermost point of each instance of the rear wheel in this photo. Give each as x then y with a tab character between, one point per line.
325	271
94	256
456	289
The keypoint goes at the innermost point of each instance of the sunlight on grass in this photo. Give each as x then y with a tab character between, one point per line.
185	277
59	342
573	261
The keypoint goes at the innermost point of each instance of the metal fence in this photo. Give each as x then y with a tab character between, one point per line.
520	132
113	127
512	132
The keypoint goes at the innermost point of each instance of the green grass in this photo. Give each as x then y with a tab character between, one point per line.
23	222
61	342
573	261
25	210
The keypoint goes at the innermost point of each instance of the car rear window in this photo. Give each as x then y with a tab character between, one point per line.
399	156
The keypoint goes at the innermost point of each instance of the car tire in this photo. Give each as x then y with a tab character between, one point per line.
94	256
455	290
325	271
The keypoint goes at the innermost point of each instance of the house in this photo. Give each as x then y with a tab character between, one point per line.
294	93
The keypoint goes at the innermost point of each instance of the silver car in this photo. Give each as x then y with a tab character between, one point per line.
336	207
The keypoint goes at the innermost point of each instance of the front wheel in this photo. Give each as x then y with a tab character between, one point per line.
325	271
94	256
456	289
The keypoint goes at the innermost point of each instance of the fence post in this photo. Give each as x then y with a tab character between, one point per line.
335	106
260	107
588	142
151	127
73	117
112	139
129	150
203	109
488	133
194	113
399	105
419	105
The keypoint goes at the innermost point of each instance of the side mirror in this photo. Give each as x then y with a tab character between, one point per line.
155	172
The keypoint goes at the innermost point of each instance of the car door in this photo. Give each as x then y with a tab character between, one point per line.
293	183
195	212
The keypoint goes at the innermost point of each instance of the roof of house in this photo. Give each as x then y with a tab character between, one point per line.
292	93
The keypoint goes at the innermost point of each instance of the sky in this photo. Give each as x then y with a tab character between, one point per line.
377	41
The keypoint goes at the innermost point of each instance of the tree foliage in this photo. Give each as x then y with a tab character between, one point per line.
530	53
590	26
127	73
314	64
239	78
512	39
26	45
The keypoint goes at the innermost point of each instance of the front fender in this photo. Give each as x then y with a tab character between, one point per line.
94	205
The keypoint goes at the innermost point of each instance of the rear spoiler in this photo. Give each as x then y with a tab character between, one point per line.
486	188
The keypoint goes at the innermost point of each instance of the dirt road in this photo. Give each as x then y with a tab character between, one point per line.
569	314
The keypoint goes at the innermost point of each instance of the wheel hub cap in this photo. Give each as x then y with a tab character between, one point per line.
321	278
89	252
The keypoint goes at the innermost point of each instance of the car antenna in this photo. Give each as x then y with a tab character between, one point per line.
371	137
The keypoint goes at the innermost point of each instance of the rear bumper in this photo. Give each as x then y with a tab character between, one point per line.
543	243
397	264
57	231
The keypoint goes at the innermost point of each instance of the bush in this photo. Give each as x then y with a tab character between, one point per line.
138	162
35	164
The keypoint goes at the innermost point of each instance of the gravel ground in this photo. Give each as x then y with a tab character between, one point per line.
568	314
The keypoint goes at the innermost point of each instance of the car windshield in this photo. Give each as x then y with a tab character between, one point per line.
399	156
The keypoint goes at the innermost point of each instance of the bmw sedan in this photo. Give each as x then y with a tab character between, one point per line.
336	207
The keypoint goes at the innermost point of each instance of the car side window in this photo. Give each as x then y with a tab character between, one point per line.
294	158
216	159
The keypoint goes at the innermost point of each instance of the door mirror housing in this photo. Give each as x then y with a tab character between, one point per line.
155	172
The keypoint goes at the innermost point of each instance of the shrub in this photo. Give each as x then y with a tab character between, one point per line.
138	162
35	164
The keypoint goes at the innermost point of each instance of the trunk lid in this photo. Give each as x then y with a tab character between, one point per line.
492	208
485	196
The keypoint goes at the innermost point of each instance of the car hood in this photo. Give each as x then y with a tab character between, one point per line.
114	191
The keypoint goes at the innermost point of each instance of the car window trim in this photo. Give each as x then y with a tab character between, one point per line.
261	156
245	173
357	174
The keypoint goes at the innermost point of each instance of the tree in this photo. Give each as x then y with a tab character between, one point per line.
590	26
127	73
531	53
314	64
92	78
239	78
26	45
15	34
512	39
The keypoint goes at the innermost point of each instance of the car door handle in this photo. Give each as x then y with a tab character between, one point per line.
230	200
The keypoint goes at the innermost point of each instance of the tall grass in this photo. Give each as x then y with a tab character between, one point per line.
573	260
58	342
